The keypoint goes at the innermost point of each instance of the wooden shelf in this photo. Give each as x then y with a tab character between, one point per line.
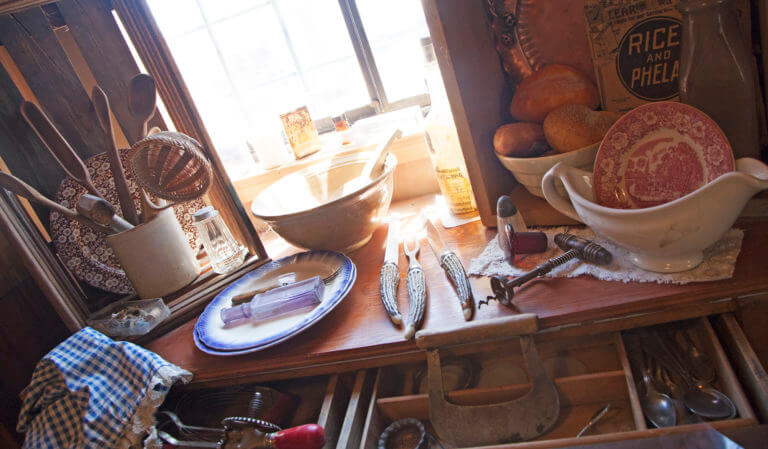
358	334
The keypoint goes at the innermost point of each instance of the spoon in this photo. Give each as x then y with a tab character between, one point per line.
710	403
101	212
699	397
658	407
701	365
142	97
371	168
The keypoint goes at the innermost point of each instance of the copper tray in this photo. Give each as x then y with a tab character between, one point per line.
533	33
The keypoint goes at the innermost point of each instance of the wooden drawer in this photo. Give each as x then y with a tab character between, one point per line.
589	372
321	399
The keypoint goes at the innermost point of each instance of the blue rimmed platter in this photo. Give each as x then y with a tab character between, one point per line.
213	337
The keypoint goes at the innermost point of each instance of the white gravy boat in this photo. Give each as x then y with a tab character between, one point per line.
669	237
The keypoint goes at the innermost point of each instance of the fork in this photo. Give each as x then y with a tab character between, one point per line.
417	288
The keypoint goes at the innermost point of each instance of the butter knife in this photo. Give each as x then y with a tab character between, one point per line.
389	278
452	267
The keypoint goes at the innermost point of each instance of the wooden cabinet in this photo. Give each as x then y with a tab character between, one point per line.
589	371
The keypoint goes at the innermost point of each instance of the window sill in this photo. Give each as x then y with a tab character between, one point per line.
414	175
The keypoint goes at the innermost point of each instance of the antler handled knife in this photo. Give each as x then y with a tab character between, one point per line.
452	267
389	278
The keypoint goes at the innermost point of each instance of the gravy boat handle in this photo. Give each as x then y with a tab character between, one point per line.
553	196
755	170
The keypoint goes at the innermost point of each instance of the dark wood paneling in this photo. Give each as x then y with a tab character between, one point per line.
32	44
20	148
29	328
102	45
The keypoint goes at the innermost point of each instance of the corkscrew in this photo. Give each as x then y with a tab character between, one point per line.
574	247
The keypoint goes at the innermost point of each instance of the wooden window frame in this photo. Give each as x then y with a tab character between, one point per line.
97	35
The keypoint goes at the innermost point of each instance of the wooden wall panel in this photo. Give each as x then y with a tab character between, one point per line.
22	151
32	44
102	45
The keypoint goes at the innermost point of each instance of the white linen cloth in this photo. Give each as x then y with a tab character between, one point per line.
719	261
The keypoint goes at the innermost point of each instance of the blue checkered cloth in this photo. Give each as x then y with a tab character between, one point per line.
86	391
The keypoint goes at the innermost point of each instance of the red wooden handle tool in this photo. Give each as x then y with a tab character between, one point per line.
308	436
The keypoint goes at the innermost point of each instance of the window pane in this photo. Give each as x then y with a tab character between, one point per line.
247	61
394	29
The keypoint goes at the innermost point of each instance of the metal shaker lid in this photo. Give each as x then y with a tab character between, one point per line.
505	207
205	213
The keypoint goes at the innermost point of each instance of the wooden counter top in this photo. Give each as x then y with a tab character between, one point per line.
358	333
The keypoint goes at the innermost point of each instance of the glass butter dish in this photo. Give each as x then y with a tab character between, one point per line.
130	318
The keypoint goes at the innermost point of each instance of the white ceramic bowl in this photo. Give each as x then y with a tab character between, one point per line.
669	237
530	170
305	209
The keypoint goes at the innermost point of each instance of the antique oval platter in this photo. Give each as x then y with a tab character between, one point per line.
212	336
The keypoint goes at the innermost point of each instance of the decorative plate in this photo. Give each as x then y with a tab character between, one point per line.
212	336
658	153
84	251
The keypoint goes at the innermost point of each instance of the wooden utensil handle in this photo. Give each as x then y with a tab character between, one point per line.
58	146
21	188
125	197
492	329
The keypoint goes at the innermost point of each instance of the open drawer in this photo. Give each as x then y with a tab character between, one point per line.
589	372
322	400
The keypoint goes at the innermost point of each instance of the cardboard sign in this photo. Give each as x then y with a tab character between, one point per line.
635	47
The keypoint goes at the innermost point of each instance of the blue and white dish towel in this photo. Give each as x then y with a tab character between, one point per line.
93	392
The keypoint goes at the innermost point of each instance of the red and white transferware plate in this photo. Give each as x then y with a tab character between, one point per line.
83	250
657	153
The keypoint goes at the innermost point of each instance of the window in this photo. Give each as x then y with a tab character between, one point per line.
246	62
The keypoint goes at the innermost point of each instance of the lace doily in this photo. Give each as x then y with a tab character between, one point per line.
719	261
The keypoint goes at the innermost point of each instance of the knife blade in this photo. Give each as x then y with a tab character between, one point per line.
389	278
452	266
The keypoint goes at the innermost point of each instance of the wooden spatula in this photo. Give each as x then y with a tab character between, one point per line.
101	103
58	146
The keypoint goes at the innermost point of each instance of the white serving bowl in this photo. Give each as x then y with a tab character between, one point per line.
669	237
530	170
305	208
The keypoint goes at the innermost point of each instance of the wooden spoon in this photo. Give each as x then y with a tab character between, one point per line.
103	112
142	98
21	188
58	146
372	168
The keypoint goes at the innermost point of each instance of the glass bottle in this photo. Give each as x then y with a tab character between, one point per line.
443	142
716	72
224	252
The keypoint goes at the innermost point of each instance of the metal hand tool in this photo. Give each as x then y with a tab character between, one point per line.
520	419
417	288
389	277
100	211
574	247
594	420
452	267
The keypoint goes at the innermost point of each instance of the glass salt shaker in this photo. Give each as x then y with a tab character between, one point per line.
224	252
